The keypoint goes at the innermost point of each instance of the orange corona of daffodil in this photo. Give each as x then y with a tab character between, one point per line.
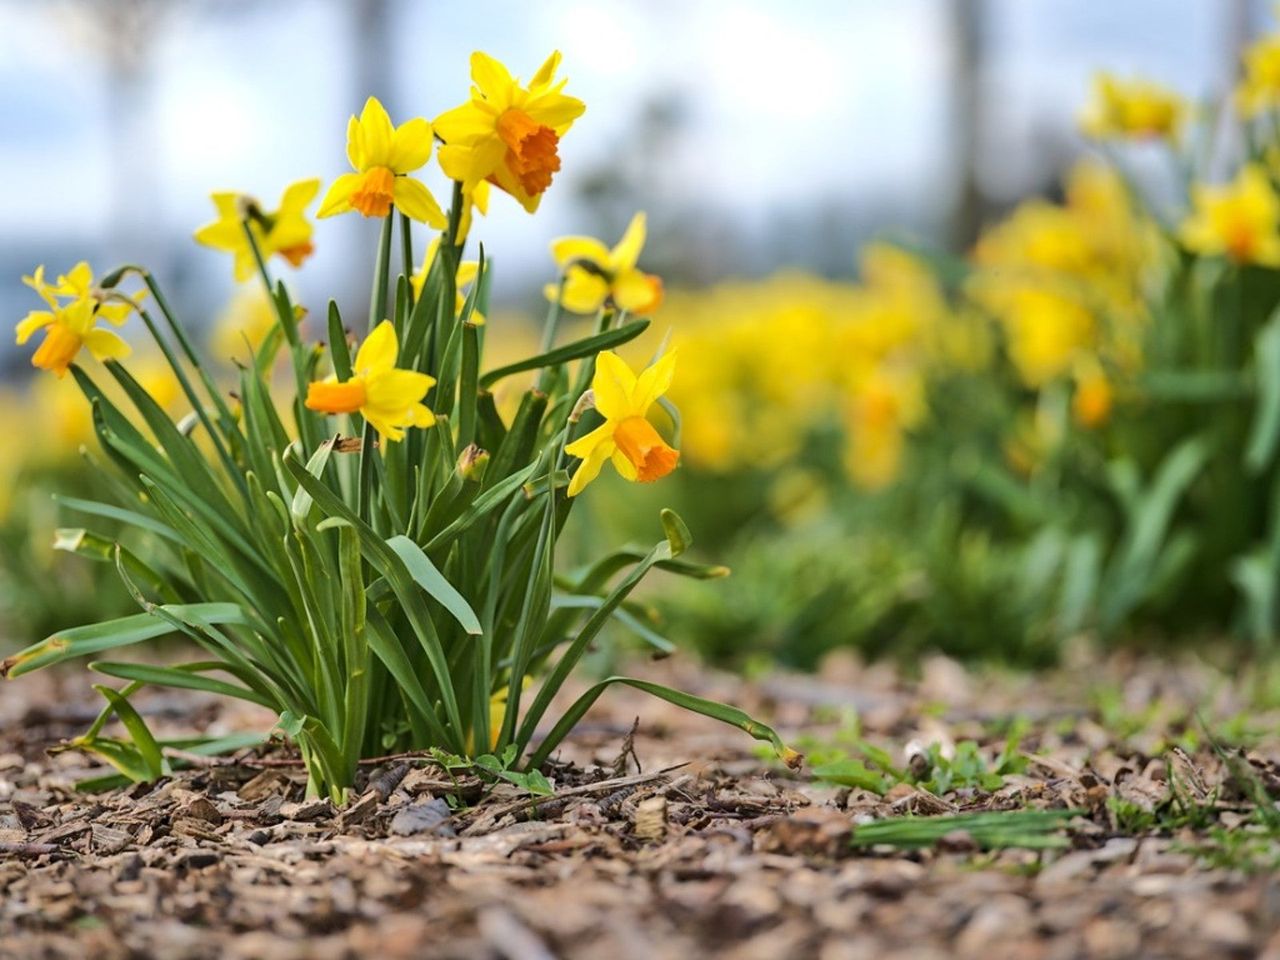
507	134
382	156
1239	220
389	398
594	274
1135	109
285	231
626	437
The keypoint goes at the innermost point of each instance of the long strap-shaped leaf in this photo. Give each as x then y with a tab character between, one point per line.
185	677
586	347
427	576
110	634
708	708
388	564
677	541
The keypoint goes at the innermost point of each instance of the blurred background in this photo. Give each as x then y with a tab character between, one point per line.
756	134
953	376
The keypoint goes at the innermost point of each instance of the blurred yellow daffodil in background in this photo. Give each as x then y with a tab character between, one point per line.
68	329
1239	220
626	437
468	270
389	398
78	283
382	156
1134	109
1259	89
285	231
70	326
594	274
508	134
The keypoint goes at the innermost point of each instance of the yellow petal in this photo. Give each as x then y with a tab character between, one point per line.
355	144
78	316
421	416
106	344
613	384
653	383
584	291
376	133
416	202
76	281
566	249
627	253
584	446
410	146
387	427
555	110
466	124
379	350
396	390
625	467
338	198
298	195
32	322
115	313
547	72
589	469
637	292
493	79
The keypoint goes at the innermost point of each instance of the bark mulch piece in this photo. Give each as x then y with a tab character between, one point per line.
710	849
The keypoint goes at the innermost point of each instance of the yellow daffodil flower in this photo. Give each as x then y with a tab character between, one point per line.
1259	90
468	270
1239	220
390	399
67	329
507	134
285	231
382	156
626	437
883	407
243	324
594	274
1132	109
77	284
1093	398
72	325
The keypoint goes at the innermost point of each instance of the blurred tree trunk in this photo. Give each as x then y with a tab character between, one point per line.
1238	33
372	35
966	28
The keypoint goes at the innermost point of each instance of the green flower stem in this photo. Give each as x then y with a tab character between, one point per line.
549	327
406	254
287	324
224	412
381	268
197	404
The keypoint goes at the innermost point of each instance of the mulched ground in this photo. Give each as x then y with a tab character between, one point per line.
706	849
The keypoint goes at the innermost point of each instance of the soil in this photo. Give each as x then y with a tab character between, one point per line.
670	837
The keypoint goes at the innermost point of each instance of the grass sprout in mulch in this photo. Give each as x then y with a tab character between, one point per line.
997	816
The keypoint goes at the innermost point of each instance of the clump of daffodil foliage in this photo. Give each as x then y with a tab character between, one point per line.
373	557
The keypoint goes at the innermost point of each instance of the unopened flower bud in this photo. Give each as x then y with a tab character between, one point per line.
472	463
